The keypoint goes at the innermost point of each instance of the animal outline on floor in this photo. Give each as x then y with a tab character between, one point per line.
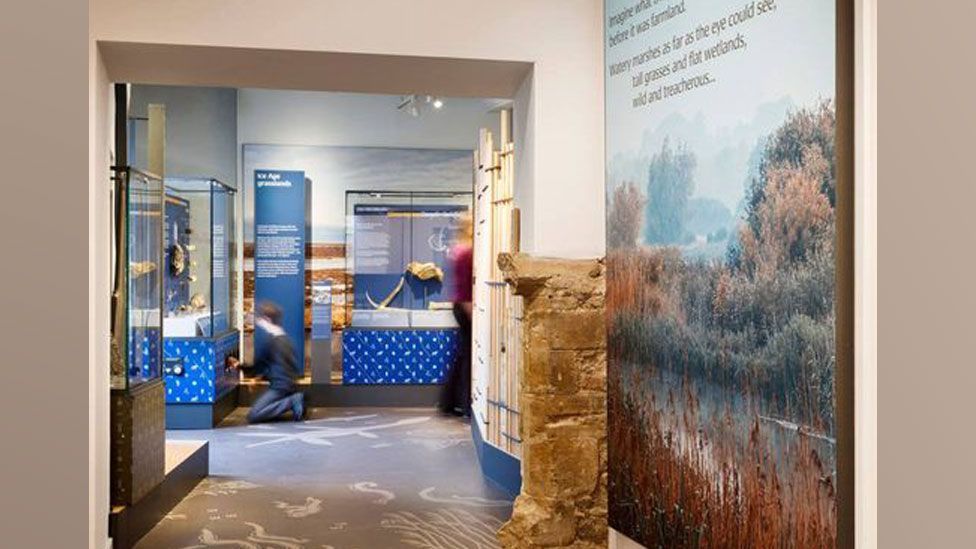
427	494
310	507
367	487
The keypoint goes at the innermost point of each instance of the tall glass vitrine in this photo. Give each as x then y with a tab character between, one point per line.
200	290
137	297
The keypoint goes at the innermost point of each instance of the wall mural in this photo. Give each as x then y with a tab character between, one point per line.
721	272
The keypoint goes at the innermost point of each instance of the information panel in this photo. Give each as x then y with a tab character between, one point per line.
279	250
322	309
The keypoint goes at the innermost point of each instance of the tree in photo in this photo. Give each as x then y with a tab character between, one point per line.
789	210
624	216
669	186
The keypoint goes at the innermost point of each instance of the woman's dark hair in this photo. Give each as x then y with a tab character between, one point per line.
269	310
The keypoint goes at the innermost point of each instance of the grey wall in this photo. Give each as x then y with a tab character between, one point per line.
279	117
201	130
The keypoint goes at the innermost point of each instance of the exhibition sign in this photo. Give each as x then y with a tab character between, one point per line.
721	272
279	250
322	309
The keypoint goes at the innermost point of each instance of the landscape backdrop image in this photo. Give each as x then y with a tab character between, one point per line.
721	273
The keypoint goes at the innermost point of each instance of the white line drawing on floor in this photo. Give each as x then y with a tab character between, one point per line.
471	501
258	539
381	445
284	542
433	439
321	436
213	487
445	529
345	419
301	510
366	487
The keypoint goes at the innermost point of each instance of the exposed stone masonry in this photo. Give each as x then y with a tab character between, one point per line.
563	502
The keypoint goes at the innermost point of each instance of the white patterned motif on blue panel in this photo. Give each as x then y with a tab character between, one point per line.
397	356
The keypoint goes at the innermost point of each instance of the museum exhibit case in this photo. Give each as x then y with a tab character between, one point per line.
401	327
137	402
199	296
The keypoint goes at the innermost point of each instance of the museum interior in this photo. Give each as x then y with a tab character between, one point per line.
477	284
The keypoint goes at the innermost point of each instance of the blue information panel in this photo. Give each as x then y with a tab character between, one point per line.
322	309
279	250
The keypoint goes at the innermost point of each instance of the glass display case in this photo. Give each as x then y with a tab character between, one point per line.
400	323
200	289
398	246
137	296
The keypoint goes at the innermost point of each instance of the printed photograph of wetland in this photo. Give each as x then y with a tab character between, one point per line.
720	296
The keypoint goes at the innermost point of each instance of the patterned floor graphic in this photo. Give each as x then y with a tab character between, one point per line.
354	478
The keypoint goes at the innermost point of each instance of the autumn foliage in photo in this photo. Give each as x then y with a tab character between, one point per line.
721	350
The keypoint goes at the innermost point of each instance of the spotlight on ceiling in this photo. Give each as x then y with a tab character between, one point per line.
413	104
408	104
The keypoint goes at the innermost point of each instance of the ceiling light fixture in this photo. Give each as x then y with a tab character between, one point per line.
412	104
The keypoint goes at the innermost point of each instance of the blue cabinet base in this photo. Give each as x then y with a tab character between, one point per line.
201	415
397	356
195	368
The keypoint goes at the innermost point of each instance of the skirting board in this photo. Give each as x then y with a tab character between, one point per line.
201	416
501	469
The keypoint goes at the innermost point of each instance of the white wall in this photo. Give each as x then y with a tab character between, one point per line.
562	38
99	290
201	130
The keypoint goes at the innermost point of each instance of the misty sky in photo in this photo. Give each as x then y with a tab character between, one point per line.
788	63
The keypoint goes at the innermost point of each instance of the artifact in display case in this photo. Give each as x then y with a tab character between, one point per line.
200	287
137	295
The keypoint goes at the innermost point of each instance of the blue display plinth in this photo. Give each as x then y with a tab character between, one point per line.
200	389
195	368
397	356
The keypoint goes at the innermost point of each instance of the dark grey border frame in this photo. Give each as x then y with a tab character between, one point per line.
844	374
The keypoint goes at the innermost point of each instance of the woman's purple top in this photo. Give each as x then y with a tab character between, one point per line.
461	256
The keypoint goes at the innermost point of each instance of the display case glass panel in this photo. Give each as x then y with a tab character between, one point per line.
200	257
140	289
398	256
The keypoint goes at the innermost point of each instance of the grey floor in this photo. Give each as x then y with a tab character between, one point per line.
347	478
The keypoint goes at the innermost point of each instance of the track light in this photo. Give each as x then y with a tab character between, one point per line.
412	104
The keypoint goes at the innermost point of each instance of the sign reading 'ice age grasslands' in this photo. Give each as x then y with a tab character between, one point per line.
721	272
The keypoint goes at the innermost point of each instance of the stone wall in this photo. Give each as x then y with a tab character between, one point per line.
563	502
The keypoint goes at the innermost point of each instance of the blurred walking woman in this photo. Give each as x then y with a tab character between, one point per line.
456	393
